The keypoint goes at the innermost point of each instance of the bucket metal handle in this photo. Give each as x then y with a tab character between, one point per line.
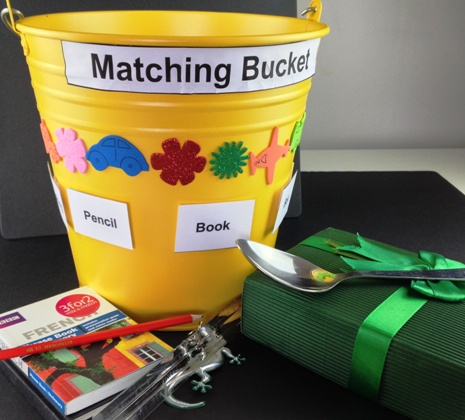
313	11
10	16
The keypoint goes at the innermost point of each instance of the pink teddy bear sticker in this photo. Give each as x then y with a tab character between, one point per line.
71	149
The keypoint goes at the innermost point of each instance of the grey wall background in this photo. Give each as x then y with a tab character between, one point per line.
390	75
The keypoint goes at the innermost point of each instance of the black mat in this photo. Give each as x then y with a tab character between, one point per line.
412	210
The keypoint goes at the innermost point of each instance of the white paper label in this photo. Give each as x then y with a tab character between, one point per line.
100	218
188	70
56	190
204	227
284	202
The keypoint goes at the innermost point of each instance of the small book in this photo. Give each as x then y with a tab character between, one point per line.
75	378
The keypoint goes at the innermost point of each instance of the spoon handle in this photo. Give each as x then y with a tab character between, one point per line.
454	274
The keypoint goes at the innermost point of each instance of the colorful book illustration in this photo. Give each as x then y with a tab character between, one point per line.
77	377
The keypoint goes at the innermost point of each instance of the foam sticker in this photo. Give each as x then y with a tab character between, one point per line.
284	202
297	133
100	218
269	157
178	163
71	149
202	227
228	161
50	146
117	152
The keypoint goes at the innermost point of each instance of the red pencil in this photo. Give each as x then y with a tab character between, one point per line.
30	349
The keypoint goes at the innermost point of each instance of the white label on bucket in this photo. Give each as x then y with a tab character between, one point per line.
56	190
100	218
284	202
204	227
185	70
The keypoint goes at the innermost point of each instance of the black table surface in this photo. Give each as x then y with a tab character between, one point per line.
412	210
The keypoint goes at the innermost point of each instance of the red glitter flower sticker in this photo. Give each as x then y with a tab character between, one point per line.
50	147
72	149
178	163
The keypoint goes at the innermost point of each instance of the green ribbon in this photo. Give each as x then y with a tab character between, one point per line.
374	339
376	332
370	255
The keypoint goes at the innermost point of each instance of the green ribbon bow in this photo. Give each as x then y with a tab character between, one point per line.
381	257
369	255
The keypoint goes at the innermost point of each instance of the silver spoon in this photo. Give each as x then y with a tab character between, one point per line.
300	274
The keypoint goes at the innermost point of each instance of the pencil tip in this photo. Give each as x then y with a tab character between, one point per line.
196	317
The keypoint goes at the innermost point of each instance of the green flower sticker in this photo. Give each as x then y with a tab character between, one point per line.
228	161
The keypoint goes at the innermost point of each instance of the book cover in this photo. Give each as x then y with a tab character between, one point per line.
77	377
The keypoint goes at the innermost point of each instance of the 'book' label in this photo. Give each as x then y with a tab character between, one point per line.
202	227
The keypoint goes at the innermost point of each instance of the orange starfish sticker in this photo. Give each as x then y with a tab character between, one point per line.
269	157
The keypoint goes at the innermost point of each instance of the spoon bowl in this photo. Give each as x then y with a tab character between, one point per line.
300	274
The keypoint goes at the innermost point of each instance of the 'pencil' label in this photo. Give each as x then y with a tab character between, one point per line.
100	218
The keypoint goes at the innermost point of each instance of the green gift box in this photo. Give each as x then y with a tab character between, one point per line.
380	338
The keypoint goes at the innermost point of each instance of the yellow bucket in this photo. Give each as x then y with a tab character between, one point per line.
171	134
